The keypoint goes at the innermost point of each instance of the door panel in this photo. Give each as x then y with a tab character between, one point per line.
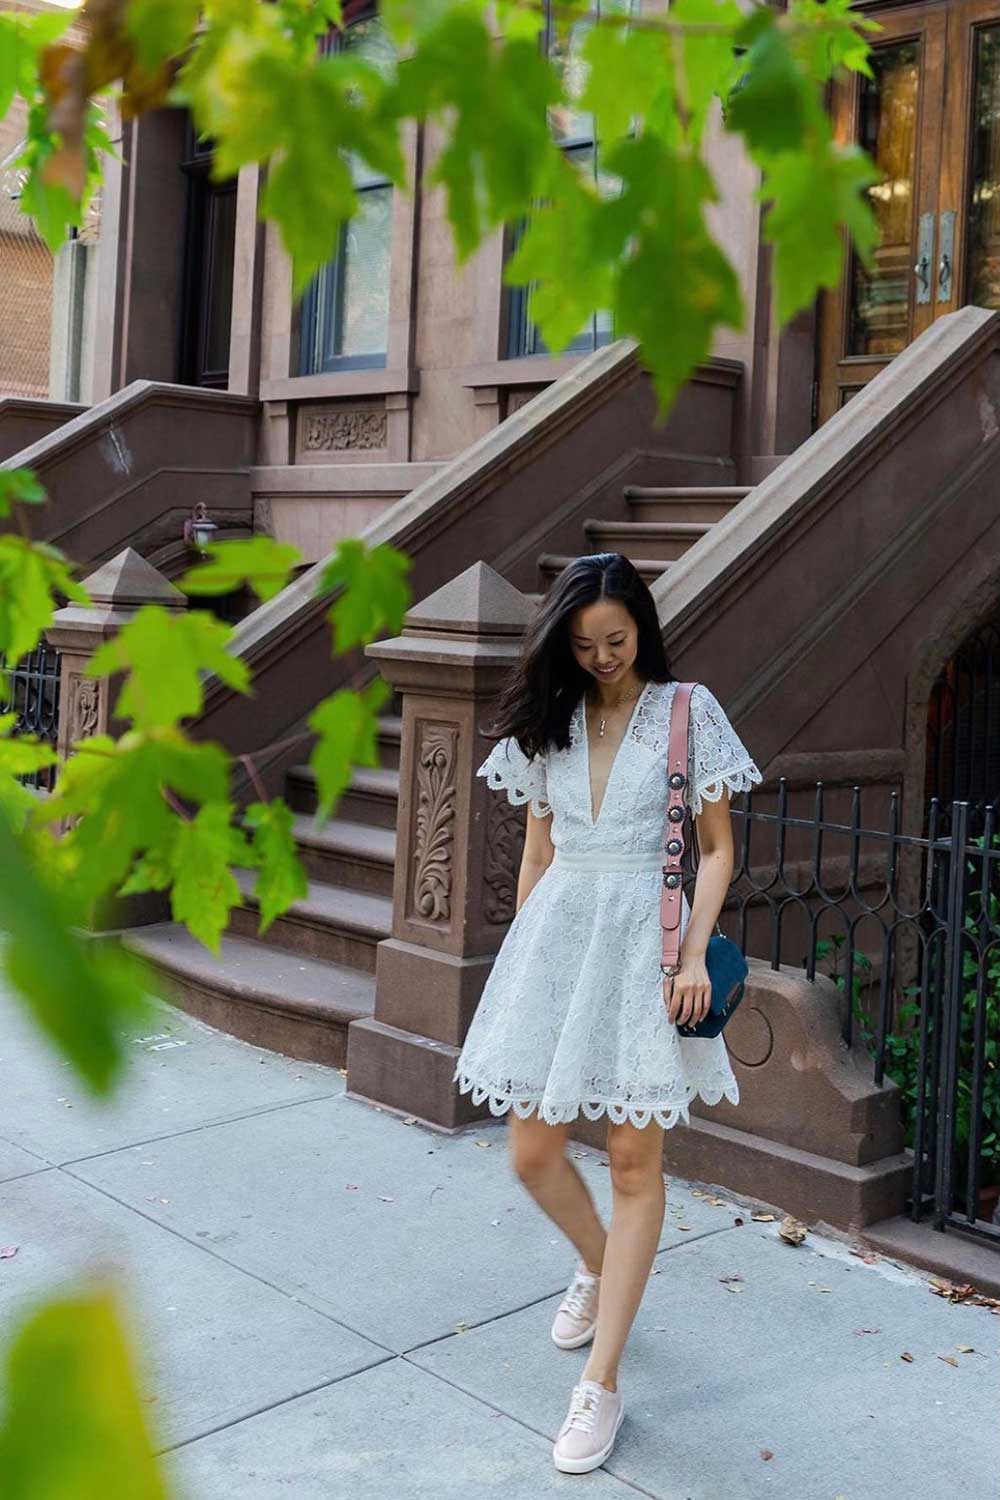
897	116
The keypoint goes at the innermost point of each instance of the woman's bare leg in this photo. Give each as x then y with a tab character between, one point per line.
639	1193
538	1152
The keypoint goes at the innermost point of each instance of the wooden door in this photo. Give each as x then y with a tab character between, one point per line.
897	116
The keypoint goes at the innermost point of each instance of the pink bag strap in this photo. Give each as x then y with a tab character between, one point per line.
671	897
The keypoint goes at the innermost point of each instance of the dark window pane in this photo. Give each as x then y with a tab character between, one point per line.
984	207
880	297
221	247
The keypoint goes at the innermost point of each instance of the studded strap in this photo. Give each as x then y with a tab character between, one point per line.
671	898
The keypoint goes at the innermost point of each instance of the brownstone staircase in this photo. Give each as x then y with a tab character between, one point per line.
299	987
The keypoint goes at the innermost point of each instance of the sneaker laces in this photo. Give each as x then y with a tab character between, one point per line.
579	1294
583	1407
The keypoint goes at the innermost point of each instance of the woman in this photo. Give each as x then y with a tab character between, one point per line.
575	1015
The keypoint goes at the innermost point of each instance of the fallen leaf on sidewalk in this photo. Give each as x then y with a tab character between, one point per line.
410	1120
763	1218
766	1453
907	1356
948	1359
734	1276
867	1330
792	1230
461	1327
6	1251
351	1186
384	1198
868	1256
487	1144
965	1349
682	1226
963	1292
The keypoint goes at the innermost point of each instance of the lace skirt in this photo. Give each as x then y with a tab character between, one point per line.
572	1017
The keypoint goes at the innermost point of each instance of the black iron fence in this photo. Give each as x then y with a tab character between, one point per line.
30	691
909	929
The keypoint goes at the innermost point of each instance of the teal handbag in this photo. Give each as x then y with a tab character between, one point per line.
727	966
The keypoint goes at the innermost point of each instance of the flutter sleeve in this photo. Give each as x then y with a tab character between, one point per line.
507	768
718	757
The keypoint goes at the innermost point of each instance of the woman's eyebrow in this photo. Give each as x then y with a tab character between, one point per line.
578	637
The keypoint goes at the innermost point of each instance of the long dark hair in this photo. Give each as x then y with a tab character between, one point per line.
539	698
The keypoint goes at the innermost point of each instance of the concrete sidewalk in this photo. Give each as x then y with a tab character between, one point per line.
330	1304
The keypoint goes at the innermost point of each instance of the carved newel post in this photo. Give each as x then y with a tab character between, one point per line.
118	589
458	848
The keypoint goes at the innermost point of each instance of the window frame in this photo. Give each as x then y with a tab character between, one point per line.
521	338
321	314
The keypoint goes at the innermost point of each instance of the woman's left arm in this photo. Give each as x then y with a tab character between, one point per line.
690	997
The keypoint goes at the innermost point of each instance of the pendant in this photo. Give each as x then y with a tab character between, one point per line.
600	732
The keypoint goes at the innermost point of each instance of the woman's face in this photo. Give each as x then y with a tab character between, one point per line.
604	639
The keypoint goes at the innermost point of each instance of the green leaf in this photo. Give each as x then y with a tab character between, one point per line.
774	101
164	654
80	993
18	486
674	317
374	595
347	726
261	562
629	75
567	256
113	792
160	29
282	878
708	61
32	577
406	20
494	96
814	196
74	1426
204	889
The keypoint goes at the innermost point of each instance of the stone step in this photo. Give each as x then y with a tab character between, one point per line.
332	922
639	540
390	734
262	993
551	564
341	852
372	797
698	503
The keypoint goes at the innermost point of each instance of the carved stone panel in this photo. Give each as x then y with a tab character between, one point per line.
504	843
84	707
341	429
433	862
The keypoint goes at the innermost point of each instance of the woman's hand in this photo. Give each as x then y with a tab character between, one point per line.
688	993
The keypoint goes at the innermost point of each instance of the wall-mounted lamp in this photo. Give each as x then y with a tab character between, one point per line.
198	529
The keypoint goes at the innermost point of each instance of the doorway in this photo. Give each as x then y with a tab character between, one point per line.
930	118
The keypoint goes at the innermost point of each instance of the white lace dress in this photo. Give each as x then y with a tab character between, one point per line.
572	1016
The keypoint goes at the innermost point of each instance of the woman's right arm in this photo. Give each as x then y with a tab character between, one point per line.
537	855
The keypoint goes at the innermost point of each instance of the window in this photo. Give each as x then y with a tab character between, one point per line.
210	235
345	310
575	133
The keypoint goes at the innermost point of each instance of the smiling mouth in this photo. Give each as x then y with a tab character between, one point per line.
607	671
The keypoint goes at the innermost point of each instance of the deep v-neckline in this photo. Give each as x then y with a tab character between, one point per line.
582	710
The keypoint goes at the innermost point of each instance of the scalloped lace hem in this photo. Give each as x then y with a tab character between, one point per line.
502	781
616	1110
740	779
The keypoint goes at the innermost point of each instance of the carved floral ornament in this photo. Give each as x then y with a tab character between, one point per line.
334	431
434	830
84	707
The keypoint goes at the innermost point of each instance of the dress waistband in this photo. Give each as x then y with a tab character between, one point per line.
608	859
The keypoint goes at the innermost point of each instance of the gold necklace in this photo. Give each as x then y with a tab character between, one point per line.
615	707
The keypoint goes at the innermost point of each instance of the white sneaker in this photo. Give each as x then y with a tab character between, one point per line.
588	1434
576	1317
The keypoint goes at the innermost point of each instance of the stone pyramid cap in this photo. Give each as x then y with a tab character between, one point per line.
129	579
477	602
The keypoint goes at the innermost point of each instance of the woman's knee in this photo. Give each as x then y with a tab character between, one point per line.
635	1159
536	1148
